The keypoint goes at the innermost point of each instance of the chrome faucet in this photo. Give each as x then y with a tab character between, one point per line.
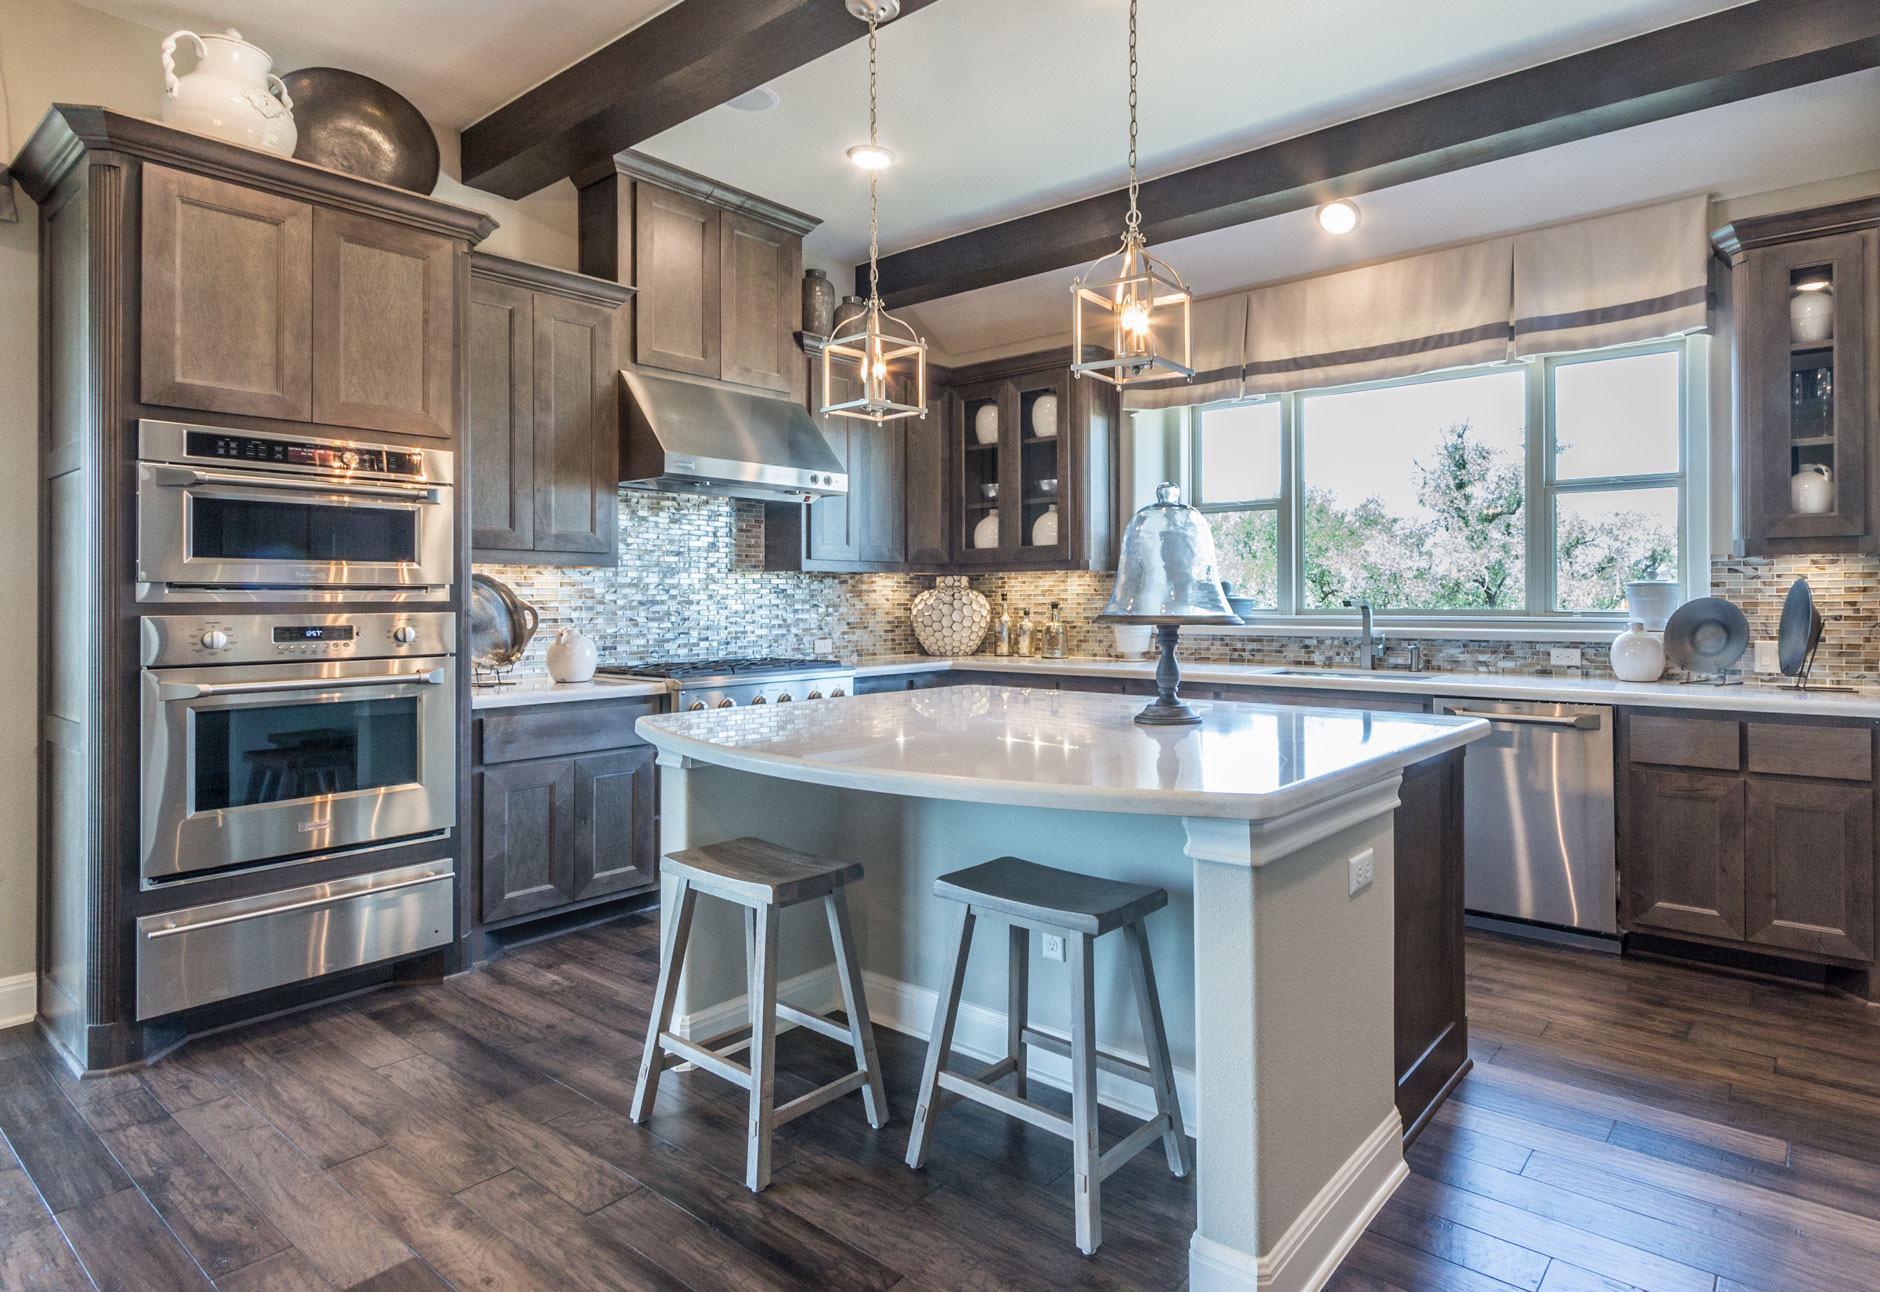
1369	643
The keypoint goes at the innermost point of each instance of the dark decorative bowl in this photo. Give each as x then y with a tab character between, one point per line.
364	127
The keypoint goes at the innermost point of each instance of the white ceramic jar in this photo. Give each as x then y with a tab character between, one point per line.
571	656
986	532
986	424
229	94
1044	417
1811	315
1637	656
1133	641
1811	490
1651	601
1044	530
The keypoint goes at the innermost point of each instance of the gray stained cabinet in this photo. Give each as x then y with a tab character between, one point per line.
259	305
544	423
1753	834
678	262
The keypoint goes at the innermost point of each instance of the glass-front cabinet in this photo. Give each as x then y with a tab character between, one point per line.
1803	306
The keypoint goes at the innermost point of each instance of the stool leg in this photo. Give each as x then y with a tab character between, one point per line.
945	1012
763	1052
1017	1002
671	960
750	961
855	1005
1085	1183
1155	1038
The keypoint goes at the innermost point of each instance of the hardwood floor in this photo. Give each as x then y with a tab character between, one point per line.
1628	1125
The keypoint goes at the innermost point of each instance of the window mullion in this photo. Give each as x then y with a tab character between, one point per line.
1540	499
1290	519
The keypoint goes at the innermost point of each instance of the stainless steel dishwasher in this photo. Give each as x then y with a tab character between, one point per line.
1538	822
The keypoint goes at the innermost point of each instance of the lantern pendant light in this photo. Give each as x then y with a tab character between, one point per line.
1131	303
876	348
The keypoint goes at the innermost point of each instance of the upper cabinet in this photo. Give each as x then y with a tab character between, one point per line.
257	304
1805	310
718	272
544	437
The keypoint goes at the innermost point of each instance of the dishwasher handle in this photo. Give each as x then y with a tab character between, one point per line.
1579	721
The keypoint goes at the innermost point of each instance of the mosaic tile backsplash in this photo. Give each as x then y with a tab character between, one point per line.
691	584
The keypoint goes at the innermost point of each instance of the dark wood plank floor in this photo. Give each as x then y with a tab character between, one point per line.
1629	1125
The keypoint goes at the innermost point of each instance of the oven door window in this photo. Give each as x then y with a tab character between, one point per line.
248	529
276	753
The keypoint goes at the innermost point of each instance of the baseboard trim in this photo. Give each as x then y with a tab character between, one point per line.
19	999
980	1032
816	991
1307	1254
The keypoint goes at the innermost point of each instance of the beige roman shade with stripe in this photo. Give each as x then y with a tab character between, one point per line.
1220	344
1613	280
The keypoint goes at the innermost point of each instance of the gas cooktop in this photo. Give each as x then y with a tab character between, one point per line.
737	666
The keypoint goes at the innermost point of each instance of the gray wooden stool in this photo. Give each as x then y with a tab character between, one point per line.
1029	896
764	879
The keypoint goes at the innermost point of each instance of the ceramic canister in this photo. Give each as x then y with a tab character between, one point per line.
819	303
986	532
1637	656
1811	490
230	93
1811	315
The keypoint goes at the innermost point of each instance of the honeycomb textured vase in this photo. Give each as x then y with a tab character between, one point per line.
950	618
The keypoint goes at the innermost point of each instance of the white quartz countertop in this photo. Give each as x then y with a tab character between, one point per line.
1065	749
540	690
1748	698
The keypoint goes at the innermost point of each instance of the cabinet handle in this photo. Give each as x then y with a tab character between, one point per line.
1580	721
171	930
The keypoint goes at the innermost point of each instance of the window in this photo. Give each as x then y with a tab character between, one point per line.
1534	488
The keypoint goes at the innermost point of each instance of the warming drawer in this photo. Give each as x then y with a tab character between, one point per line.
223	949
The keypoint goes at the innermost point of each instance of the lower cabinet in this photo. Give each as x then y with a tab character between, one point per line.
1683	860
1808	868
562	819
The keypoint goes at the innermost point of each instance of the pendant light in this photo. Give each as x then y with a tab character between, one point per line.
1130	302
875	348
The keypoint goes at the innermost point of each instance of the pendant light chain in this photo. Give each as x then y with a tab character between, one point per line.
874	233
1134	220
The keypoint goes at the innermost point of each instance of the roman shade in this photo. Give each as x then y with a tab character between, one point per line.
1612	280
1219	329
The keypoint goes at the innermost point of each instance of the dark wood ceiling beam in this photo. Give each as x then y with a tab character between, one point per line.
690	58
1755	49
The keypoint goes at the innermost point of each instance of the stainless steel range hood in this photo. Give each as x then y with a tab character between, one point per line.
688	437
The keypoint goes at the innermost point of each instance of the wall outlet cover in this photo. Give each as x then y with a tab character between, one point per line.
1768	659
1054	947
1564	657
1363	870
825	645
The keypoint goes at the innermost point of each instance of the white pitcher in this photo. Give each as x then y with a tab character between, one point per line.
571	656
230	94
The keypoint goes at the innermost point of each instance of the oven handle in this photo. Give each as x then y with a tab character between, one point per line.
1579	721
196	690
171	930
178	477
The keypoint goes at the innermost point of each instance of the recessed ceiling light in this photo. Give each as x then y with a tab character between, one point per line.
762	99
871	156
1338	217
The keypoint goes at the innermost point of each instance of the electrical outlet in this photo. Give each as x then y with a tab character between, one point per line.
1768	660
1363	870
825	645
1054	947
1564	657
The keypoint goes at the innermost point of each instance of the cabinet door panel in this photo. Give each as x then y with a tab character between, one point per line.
614	849
759	314
925	493
227	277
384	330
832	529
1810	867
576	451
877	477
526	840
677	264
1683	862
502	417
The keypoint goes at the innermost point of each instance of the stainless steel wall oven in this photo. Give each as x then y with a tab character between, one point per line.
227	515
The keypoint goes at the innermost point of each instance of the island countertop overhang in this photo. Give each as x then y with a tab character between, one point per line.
1056	749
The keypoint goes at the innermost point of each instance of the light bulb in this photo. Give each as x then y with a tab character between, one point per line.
1338	217
1136	320
871	156
1813	285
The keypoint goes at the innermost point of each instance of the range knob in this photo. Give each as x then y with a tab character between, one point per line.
727	703
404	634
215	639
837	693
758	699
813	695
695	706
349	459
785	698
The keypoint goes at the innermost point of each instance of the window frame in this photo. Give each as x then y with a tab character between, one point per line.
1543	488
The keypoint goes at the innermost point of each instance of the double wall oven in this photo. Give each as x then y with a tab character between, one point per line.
287	752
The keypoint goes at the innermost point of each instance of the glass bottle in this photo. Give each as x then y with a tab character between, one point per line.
1024	632
1002	629
1053	635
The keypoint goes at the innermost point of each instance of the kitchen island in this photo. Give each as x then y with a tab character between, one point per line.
1276	976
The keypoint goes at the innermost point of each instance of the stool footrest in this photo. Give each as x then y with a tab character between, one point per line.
814	1022
1011	1105
1131	1144
1112	1063
818	1097
710	1060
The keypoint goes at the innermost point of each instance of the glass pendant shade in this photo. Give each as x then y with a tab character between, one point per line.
881	357
1133	310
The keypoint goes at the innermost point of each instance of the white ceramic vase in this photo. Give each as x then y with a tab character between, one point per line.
1044	417
1811	490
986	532
950	618
229	94
1811	315
571	656
1044	530
1637	656
986	424
1651	601
1133	640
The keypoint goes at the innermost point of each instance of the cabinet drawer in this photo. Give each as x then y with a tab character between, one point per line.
1830	753
558	730
1686	742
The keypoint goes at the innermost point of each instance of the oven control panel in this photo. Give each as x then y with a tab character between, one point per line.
170	641
318	454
